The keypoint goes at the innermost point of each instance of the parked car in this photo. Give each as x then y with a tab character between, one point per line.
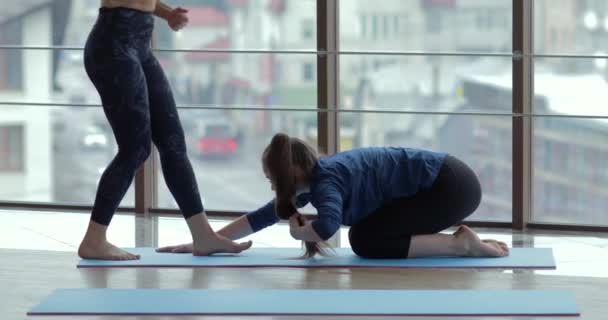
217	137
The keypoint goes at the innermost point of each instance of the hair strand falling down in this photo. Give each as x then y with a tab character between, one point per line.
281	160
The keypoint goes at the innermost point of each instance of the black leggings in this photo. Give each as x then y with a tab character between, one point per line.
387	232
139	105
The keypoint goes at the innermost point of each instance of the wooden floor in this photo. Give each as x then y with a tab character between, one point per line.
26	277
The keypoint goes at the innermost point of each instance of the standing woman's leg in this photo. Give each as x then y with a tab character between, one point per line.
112	63
410	226
168	136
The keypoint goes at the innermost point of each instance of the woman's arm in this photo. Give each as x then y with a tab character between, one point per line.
176	18
237	229
327	199
162	10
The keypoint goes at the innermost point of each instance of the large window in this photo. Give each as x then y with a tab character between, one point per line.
225	150
570	26
225	142
569	153
82	147
382	81
64	142
426	25
570	185
249	24
483	142
419	73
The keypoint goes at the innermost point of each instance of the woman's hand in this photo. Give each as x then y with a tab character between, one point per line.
178	18
301	229
182	248
214	244
218	244
296	226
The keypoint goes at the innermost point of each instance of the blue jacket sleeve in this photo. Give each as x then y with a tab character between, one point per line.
328	202
263	217
266	216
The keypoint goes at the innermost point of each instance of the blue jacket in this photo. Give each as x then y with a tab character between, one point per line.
348	186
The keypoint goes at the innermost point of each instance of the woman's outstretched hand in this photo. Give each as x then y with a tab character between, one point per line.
181	248
178	18
214	244
219	244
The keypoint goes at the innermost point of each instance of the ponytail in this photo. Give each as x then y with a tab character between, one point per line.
280	167
280	160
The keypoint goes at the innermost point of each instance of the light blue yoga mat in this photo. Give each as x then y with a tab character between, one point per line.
123	302
519	258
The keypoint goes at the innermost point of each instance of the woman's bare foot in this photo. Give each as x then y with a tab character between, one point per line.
96	246
472	246
207	242
182	248
503	245
103	250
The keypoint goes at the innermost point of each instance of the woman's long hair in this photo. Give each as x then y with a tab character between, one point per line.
281	158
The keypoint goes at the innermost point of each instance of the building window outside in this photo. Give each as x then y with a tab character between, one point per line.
396	26
11	61
433	23
375	27
11	149
308	29
386	27
308	72
363	26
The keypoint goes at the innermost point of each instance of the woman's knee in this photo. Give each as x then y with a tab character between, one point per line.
171	146
367	245
356	241
468	192
144	152
476	194
471	191
135	155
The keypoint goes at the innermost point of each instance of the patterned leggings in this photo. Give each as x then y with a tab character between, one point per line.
139	105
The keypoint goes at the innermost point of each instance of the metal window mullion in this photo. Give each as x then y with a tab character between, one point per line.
523	92
328	82
327	76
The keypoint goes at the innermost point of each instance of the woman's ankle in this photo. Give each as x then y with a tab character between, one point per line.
95	233
199	227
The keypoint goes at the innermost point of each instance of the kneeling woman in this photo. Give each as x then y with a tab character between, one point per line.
396	201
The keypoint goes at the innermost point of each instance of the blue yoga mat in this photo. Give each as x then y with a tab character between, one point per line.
519	258
123	302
